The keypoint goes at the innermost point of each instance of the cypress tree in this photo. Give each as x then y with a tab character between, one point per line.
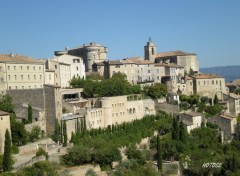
182	132
7	166
64	134
57	132
159	154
175	129
215	100
30	113
61	133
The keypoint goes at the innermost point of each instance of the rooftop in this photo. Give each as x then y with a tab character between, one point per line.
233	95
173	53
2	113
193	114
167	65
17	58
207	76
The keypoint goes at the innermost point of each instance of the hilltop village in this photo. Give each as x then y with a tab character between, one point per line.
80	90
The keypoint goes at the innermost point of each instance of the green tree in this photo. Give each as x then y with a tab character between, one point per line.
159	154
7	163
157	90
64	134
175	129
57	132
182	132
18	132
237	91
35	134
215	100
6	103
30	113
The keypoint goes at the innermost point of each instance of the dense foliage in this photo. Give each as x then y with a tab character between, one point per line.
94	145
6	103
115	86
157	90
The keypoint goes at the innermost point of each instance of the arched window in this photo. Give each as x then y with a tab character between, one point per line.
152	51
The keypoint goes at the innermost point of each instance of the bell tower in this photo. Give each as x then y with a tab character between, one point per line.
150	51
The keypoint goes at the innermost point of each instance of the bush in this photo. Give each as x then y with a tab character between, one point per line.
41	152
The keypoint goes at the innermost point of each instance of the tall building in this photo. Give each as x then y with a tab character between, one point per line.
150	51
20	72
91	53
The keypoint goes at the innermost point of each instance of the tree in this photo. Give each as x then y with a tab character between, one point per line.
6	103
215	100
30	113
7	163
158	90
159	154
64	134
175	129
237	91
56	135
18	132
35	134
182	132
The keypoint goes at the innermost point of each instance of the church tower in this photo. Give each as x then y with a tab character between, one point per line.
150	51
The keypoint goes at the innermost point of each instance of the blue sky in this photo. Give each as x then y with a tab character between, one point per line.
211	29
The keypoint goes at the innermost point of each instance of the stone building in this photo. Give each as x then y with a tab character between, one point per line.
91	53
46	103
191	120
4	125
208	85
62	72
20	72
77	67
227	123
232	86
233	103
187	60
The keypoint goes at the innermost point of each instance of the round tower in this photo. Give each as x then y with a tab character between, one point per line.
107	110
150	51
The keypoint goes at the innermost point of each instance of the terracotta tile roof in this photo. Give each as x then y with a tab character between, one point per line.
99	63
207	76
173	53
2	113
137	60
167	65
233	95
17	58
115	63
193	114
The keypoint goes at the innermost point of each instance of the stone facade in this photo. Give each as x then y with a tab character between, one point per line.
233	105
90	54
46	103
4	125
227	123
62	72
77	66
191	120
20	72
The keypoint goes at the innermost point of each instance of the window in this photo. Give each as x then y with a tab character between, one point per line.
27	67
8	67
40	76
22	77
29	87
21	67
34	76
55	66
33	67
22	87
16	87
77	68
28	77
49	77
14	67
152	51
0	68
212	81
9	77
15	77
39	67
149	71
10	87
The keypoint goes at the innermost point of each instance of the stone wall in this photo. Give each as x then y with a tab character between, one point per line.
169	108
